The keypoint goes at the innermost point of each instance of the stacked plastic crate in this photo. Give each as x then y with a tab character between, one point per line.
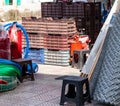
59	30
86	15
52	35
92	19
75	10
57	47
36	39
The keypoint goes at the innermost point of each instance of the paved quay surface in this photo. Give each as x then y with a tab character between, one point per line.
44	91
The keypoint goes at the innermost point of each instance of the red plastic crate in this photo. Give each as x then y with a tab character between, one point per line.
36	40
56	42
50	26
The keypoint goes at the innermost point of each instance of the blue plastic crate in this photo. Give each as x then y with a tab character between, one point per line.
37	55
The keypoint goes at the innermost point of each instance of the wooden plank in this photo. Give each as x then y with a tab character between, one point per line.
96	60
94	64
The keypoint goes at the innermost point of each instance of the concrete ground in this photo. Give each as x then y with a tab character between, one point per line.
44	91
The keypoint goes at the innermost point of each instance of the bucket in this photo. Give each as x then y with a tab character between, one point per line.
75	46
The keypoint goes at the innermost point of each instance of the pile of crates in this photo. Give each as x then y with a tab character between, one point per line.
92	20
62	10
60	21
52	36
87	15
49	26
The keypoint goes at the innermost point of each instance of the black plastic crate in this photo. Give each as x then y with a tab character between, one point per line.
80	22
68	10
97	24
92	9
97	9
51	9
93	34
88	9
80	9
63	1
93	23
73	9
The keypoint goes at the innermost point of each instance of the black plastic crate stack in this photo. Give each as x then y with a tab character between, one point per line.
69	10
63	0
79	17
75	10
62	9
87	15
51	9
92	19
